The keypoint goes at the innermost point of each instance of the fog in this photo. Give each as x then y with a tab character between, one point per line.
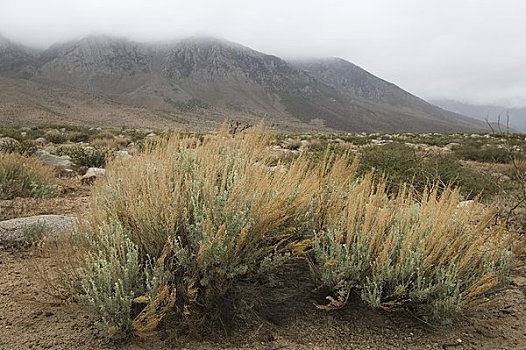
470	50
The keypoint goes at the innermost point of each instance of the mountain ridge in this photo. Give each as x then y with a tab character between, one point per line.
214	76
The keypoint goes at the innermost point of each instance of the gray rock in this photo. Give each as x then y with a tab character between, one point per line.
122	154
91	175
53	160
6	142
21	230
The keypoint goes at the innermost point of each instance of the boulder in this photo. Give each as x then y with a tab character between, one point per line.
91	174
53	160
33	228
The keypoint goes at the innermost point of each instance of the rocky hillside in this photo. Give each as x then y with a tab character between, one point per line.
212	78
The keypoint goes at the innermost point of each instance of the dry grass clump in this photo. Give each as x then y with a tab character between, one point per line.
25	177
201	219
403	251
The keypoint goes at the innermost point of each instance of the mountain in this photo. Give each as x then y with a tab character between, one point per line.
517	116
382	97
16	60
211	79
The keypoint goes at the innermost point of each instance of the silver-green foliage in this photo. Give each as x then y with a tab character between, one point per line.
396	252
111	278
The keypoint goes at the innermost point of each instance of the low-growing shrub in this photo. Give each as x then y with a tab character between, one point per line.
484	153
86	156
56	137
25	177
25	147
428	253
114	278
33	233
78	136
400	164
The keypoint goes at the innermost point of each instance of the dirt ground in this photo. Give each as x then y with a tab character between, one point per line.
32	319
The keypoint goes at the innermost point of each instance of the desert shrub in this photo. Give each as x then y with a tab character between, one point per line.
56	137
428	253
116	143
396	161
78	136
400	164
25	147
103	134
13	133
86	156
114	278
34	232
25	177
203	219
484	153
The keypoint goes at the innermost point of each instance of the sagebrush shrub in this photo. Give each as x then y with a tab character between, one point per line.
111	277
426	252
25	177
205	216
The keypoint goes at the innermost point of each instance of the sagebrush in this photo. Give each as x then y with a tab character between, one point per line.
25	177
431	253
176	229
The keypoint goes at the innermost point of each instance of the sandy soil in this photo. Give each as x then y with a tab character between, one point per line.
32	319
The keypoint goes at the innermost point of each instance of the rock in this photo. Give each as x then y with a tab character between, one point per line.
53	160
22	230
122	154
91	174
8	142
151	135
41	141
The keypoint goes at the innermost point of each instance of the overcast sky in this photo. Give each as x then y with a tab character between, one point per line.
468	50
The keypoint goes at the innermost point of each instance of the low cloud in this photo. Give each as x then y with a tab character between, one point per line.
467	50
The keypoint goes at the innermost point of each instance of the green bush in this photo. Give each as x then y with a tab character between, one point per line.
402	164
25	148
24	177
56	137
86	156
78	136
484	153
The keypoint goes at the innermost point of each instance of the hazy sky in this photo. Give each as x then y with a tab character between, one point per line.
469	50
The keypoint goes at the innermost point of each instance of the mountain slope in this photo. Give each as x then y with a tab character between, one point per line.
212	77
16	60
363	87
517	116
